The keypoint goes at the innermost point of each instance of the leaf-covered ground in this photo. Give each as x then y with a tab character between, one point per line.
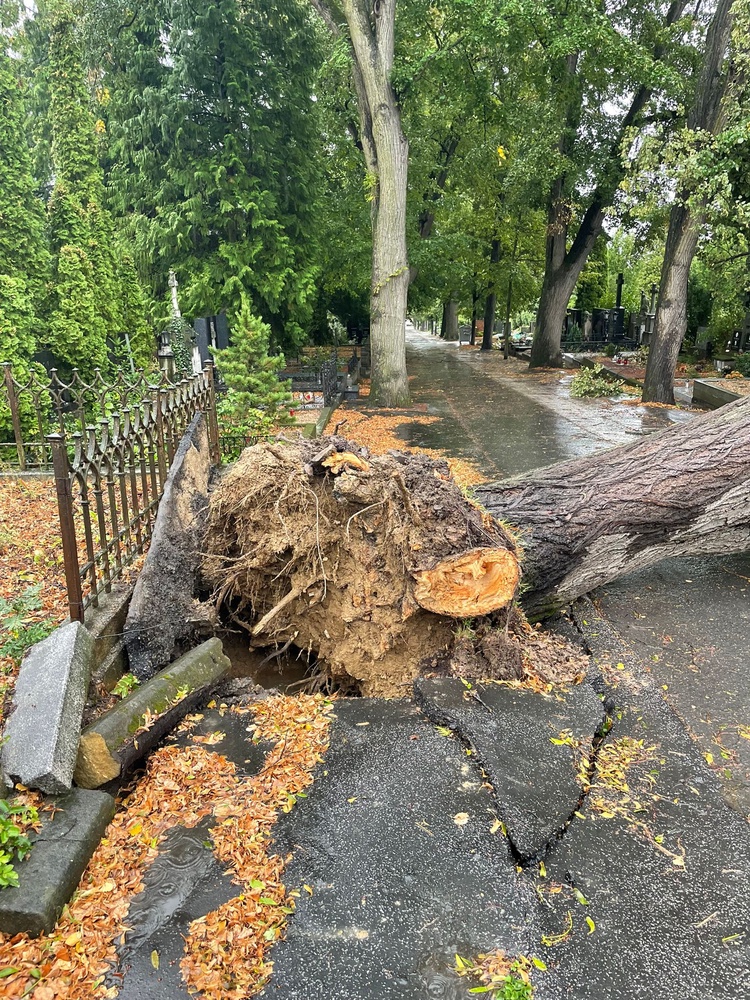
226	951
376	430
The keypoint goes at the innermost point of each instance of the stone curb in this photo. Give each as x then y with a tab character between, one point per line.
58	859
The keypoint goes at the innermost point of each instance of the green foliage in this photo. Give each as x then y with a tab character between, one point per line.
591	288
181	337
18	634
592	382
213	157
95	290
126	684
741	364
24	260
514	989
610	350
255	401
14	845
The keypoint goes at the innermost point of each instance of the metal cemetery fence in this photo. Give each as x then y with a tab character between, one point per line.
109	446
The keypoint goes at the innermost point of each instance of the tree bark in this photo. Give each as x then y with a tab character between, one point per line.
474	304
685	223
588	521
491	301
451	320
671	311
564	265
386	152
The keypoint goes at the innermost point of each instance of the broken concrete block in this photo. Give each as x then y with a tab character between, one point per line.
530	745
161	621
48	877
44	727
114	742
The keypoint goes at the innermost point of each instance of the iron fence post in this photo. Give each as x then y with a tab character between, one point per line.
61	467
15	416
213	419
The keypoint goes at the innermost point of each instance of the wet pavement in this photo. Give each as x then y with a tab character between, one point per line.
510	425
636	885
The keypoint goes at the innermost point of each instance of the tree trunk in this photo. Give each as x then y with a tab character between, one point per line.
557	289
671	311
684	222
563	265
474	305
444	321
390	269
491	301
588	521
451	320
386	153
508	304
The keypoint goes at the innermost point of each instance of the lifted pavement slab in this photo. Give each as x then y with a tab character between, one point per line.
512	731
59	855
398	886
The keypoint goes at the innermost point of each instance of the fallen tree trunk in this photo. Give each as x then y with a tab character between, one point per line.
371	564
684	491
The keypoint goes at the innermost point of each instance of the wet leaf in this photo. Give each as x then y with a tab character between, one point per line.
539	963
580	897
591	925
461	819
155	959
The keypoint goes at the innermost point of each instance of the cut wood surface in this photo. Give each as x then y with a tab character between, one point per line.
582	523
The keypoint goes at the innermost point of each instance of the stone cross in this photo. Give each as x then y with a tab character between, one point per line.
176	314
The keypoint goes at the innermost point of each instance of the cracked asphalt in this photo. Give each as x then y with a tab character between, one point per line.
602	833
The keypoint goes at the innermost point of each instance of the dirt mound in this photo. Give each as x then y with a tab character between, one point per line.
366	561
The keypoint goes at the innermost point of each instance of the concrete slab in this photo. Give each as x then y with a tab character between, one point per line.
59	855
162	618
687	624
534	779
43	730
394	840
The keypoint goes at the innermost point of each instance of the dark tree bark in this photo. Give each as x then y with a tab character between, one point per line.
474	308
685	223
491	301
589	521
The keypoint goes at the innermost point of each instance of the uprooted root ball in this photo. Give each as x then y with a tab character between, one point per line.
368	561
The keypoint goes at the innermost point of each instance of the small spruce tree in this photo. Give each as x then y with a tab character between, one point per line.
256	400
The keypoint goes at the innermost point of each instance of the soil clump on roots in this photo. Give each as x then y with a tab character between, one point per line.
367	563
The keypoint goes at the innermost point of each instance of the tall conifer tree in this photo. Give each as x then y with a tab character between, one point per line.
23	253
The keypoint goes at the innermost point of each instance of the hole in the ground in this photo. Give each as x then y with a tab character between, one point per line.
286	667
